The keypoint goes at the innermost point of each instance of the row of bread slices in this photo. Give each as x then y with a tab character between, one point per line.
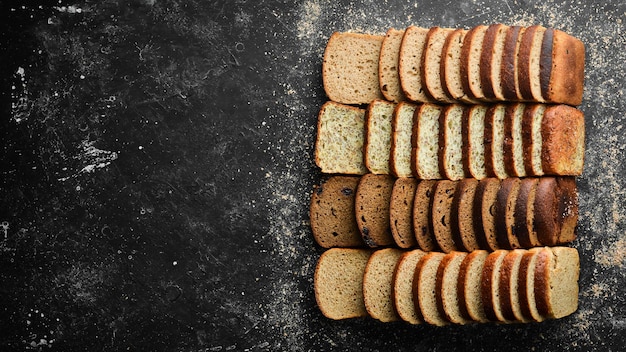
485	63
390	284
430	141
444	215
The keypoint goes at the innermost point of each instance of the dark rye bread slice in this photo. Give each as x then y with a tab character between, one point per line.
403	286
556	210
556	281
526	285
513	152
378	119
448	302
562	68
462	215
505	213
409	63
470	62
473	133
373	196
401	147
401	212
485	212
350	67
338	282
524	216
509	66
490	285
531	138
491	61
528	61
451	142
422	224
451	67
509	289
388	76
425	142
441	214
494	141
469	288
431	64
563	141
424	289
378	284
331	213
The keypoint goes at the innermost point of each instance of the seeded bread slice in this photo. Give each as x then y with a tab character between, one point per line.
524	228
563	141
451	142
332	217
425	142
448	302
403	287
462	215
562	68
338	283
490	285
505	209
473	140
401	212
531	138
510	63
470	62
350	68
409	63
513	152
378	136
485	212
388	77
528	59
373	196
441	214
509	289
491	61
451	67
469	286
526	285
378	284
556	210
424	288
401	145
494	141
431	63
340	139
422	224
556	282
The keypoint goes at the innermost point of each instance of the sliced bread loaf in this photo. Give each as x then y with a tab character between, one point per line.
471	63
490	285
422	223
524	228
401	212
403	287
431	64
425	142
509	65
556	210
402	129
378	284
491	60
424	288
378	136
556	281
409	63
462	215
388	77
441	214
451	142
373	196
562	68
562	149
446	287
505	209
469	286
485	212
474	140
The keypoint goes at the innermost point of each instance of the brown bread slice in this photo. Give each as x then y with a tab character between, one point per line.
451	142
462	215
505	211
422	223
473	131
556	282
388	76
331	213
513	151
490	285
431	63
494	141
484	213
470	62
378	120
528	60
451	67
469	286
403	286
338	282
350	67
562	68
402	130
425	142
373	196
531	138
424	290
556	210
509	289
409	63
526	285
509	66
491	61
441	214
401	212
340	139
563	141
378	284
448	302
524	216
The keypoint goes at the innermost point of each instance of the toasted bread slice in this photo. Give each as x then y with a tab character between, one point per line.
422	223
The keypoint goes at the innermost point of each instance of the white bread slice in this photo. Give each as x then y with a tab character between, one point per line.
470	62
446	286
424	288
409	63
388	76
534	73
469	286
491	61
401	135
378	120
425	142
494	141
340	139
378	284
350	67
338	282
513	149
431	64
556	281
451	142
451	67
474	142
403	287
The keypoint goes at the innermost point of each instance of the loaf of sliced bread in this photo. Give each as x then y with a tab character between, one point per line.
462	215
563	141
485	212
373	196
425	142
424	289
556	210
490	285
441	214
505	209
409	63
431	64
401	147
446	287
451	142
378	120
562	68
471	63
556	281
491	61
474	140
510	63
403	287
469	288
401	212
422	224
378	284
524	228
388	74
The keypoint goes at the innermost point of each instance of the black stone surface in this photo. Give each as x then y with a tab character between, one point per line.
156	165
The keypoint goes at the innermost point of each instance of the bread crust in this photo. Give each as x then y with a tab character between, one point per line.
489	285
424	289
565	68
468	310
388	77
556	210
489	141
432	85
409	61
486	59
484	213
509	289
509	158
403	287
470	36
463	234
448	303
441	211
563	141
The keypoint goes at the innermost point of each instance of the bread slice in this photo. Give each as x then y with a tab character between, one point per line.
556	281
350	67
484	213
378	284
513	151
510	63
338	282
388	77
490	286
531	138
431	63
473	140
528	58
340	139
451	67
401	212
494	141
448	302
556	210
563	141
378	120
424	288
491	61
403	286
526	285
451	142
331	213
441	214
422	224
524	216
509	289
373	196
562	68
470	62
505	211
425	142
462	215
409	63
469	289
402	130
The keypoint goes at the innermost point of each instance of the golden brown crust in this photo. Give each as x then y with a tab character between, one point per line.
465	64
484	212
563	141
441	210
507	192
489	283
462	218
566	69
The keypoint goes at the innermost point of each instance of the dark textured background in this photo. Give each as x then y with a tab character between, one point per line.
156	166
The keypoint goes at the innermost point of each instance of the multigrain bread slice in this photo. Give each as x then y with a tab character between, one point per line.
470	62
422	224
528	61
401	212
563	141
524	216
403	286
373	196
451	142
556	210
340	139
491	61
531	138
331	213
513	152
388	77
469	288
494	141
562	68
484	213
431	63
401	140
425	142
526	285
490	285
509	65
441	214
505	213
509	289
473	131
350	67
338	282
378	284
462	215
556	281
448	302
424	289
451	67
378	120
409	63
